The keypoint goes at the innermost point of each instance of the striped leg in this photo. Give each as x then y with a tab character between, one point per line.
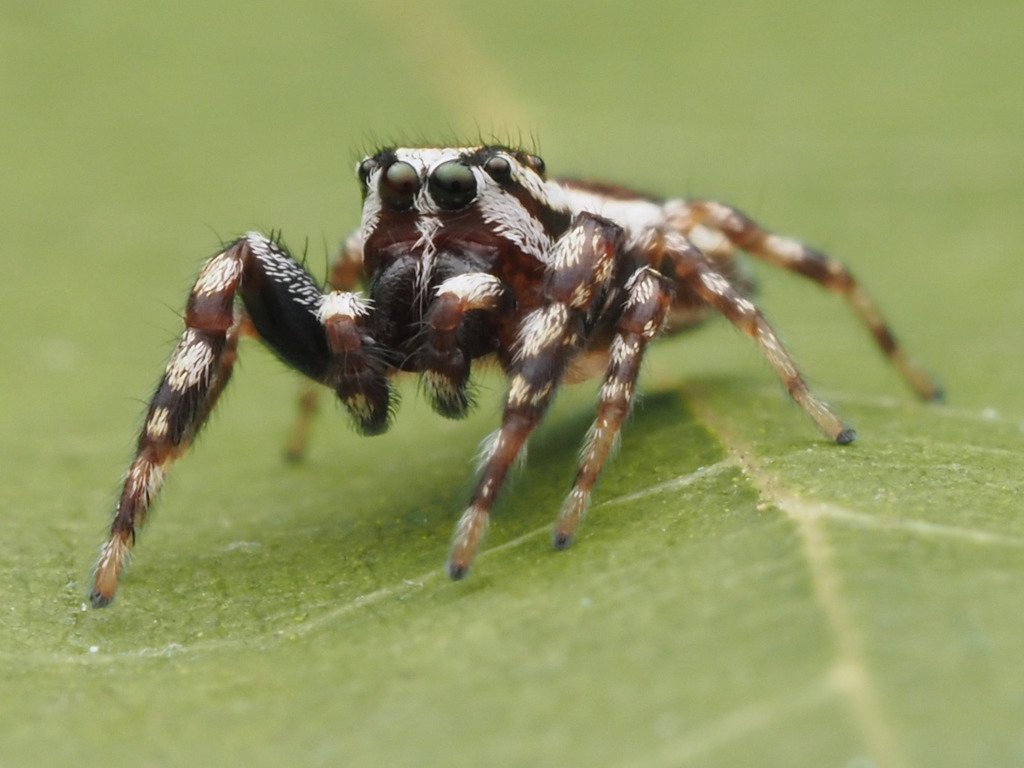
549	337
281	302
444	361
793	255
648	299
693	267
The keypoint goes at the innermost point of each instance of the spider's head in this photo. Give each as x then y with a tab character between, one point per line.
438	180
459	200
432	213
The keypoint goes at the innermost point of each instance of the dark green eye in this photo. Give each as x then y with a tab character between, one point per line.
498	168
452	185
536	163
399	185
365	168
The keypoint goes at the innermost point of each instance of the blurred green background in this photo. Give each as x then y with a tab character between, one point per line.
824	608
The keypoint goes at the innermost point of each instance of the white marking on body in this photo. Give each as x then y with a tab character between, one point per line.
281	268
220	272
259	244
425	159
542	394
569	249
113	554
541	329
640	288
371	208
474	290
343	304
580	297
678	214
603	270
359	406
611	391
716	283
508	218
145	478
746	306
472	525
723	216
352	250
786	247
623	350
710	241
439	384
158	423
535	186
428	227
636	216
488	446
190	364
518	390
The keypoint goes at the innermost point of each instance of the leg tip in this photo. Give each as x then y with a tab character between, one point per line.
561	540
846	437
99	600
457	571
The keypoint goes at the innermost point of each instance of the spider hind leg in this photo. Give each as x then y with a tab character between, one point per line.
693	267
648	298
830	273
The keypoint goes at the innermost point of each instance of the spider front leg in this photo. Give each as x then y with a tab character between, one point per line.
694	268
647	302
830	273
283	305
444	361
548	338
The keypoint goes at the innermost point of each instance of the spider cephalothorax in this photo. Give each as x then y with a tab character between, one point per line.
468	253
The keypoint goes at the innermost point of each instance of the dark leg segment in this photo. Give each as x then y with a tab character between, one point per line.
445	365
549	337
648	298
358	377
692	266
796	257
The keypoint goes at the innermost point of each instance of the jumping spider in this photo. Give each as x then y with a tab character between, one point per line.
468	253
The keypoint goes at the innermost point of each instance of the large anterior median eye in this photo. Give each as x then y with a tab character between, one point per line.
399	185
452	185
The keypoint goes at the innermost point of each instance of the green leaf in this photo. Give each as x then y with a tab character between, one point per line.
741	593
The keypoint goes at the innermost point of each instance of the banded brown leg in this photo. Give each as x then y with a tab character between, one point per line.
792	255
647	302
692	266
548	339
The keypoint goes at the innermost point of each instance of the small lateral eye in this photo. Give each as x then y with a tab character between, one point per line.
536	164
364	169
399	185
452	185
498	168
